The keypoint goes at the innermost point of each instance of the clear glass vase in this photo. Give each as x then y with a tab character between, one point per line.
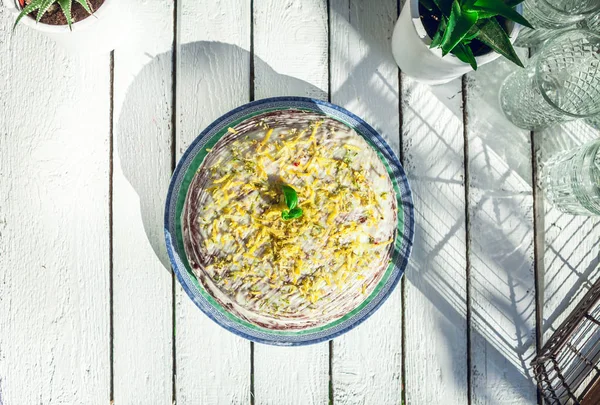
560	83
558	13
572	180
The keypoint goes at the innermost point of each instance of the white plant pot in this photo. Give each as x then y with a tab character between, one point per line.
410	46
98	33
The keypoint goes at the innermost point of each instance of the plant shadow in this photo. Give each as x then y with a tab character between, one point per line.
144	151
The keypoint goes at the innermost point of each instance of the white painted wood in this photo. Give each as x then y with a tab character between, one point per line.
54	217
142	280
367	362
571	254
502	291
213	365
291	54
291	38
435	298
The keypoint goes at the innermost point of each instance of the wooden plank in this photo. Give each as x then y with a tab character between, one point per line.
367	362
501	241
571	253
142	280
291	54
435	296
212	364
54	222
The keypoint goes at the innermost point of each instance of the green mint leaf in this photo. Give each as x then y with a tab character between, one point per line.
501	8
295	213
291	214
290	195
459	24
493	35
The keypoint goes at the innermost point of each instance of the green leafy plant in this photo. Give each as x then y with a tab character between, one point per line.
291	200
462	21
42	6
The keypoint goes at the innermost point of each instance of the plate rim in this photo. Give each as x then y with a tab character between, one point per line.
405	199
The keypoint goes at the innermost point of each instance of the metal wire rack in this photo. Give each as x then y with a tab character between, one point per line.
567	367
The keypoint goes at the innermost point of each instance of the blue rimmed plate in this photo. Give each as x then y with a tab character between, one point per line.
191	162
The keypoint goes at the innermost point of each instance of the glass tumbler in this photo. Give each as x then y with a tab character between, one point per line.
560	83
558	13
593	22
572	180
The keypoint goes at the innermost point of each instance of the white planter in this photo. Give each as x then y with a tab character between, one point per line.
410	46
98	33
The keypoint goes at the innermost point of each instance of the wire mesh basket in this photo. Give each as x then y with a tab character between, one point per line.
567	367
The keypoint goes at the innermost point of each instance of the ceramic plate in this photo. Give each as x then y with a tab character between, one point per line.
192	161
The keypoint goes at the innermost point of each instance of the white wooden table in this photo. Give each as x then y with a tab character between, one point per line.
89	309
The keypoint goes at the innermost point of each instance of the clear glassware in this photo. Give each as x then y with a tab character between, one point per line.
558	13
530	38
572	180
593	22
535	37
560	83
594	121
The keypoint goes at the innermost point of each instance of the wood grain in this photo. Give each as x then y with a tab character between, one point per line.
435	297
291	54
213	77
367	362
142	279
54	216
501	240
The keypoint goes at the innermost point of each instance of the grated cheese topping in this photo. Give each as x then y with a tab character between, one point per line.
305	271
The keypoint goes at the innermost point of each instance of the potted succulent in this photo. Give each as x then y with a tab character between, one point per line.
436	41
79	25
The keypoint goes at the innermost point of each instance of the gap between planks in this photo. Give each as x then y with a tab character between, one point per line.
174	128
252	97
111	119
465	119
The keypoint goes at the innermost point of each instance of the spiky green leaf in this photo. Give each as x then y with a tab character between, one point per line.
428	4
459	24
471	34
493	35
501	8
484	15
85	5
44	6
439	34
465	54
445	6
31	7
65	5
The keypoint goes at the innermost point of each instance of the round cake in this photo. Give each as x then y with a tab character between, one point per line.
290	221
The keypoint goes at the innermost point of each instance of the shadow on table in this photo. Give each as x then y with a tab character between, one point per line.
502	290
501	245
502	296
572	262
213	78
502	328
